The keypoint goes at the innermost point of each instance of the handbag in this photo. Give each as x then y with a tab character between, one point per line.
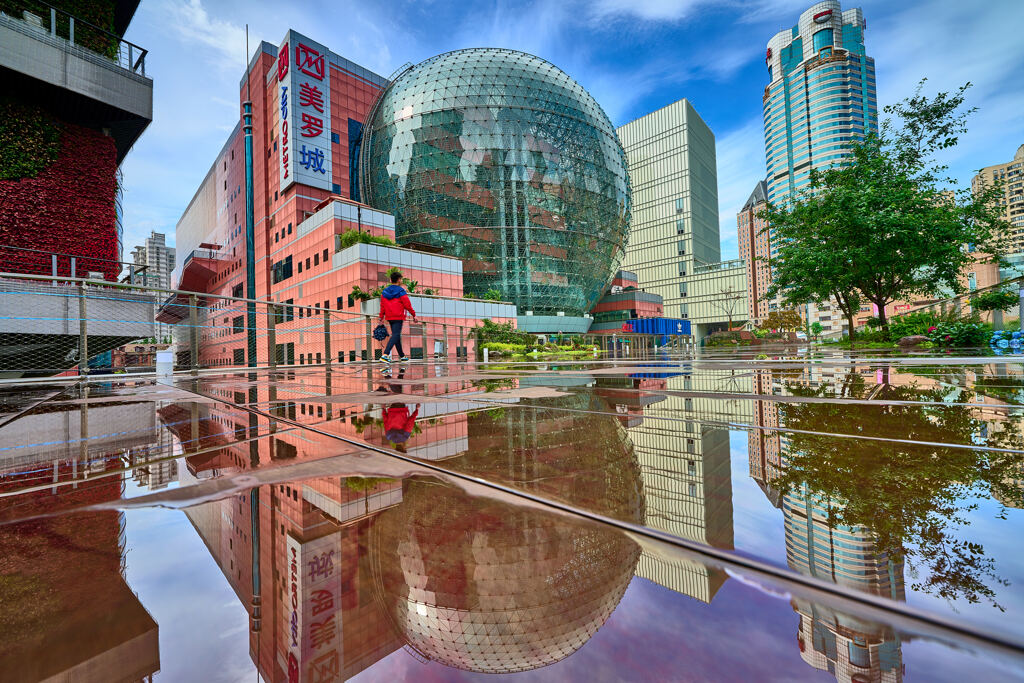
380	333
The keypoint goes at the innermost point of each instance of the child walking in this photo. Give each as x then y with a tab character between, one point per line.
394	302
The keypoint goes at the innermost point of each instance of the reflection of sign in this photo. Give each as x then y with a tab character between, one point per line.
305	100
767	55
822	17
315	602
626	327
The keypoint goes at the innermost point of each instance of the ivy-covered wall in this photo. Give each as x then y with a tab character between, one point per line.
97	12
63	201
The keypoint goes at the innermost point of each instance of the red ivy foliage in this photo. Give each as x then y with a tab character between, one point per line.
67	208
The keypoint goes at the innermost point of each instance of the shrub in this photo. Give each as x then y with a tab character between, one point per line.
350	237
995	301
492	295
960	334
912	324
759	333
504	333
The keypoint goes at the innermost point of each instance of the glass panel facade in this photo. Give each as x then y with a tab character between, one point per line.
501	159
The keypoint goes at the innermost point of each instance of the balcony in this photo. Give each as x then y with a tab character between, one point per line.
83	73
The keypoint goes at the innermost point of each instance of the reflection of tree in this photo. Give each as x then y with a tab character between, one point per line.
910	495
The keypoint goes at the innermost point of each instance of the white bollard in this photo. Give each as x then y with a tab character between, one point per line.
485	354
595	352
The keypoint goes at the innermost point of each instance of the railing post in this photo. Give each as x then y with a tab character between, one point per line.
423	335
369	340
71	29
74	267
193	337
272	336
327	337
444	329
53	21
83	335
53	265
131	57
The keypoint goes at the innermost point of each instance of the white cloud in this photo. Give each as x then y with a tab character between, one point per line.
193	24
740	157
986	49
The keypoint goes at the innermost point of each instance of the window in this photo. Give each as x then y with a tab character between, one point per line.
822	39
307	263
682	247
681	226
693	490
300	265
680	205
327	304
340	301
318	357
682	289
282	270
302	312
316	259
237	291
325	256
972	281
691	468
238	324
277	237
239	356
289	228
351	302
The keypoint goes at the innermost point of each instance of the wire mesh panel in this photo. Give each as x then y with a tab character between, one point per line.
501	159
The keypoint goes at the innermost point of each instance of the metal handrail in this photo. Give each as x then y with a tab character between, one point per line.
136	65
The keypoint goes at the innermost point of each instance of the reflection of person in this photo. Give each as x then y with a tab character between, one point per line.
398	424
394	302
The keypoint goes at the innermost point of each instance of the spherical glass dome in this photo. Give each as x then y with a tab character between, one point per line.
481	585
501	159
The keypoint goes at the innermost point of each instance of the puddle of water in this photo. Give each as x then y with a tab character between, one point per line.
319	527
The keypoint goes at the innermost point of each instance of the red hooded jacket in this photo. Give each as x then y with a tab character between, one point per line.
394	302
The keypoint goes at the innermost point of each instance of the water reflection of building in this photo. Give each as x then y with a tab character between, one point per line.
687	486
329	593
66	610
849	648
763	447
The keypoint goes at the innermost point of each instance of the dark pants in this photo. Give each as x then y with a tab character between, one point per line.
396	337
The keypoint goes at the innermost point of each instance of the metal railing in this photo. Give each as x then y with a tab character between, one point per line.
53	325
39	262
42	17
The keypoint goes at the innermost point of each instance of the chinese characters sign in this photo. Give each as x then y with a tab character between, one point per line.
313	610
304	88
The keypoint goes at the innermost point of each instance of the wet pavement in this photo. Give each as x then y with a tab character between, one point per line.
813	516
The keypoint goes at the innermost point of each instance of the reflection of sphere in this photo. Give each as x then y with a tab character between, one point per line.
484	586
501	159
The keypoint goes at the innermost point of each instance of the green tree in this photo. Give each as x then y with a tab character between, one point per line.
995	301
897	480
816	329
886	223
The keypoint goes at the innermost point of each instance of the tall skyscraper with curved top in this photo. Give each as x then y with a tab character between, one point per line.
820	97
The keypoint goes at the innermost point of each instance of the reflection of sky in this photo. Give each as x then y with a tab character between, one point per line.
654	634
757	526
204	629
660	635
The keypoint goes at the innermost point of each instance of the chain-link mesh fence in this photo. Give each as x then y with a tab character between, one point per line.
64	325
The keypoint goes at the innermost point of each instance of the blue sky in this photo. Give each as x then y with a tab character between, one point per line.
634	56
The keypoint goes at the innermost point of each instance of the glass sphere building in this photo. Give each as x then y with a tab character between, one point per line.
501	159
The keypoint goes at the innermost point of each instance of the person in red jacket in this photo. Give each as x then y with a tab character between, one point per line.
394	302
399	423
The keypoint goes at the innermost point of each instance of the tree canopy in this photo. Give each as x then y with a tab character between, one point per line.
885	224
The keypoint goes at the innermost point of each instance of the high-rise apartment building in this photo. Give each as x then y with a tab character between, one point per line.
1011	174
755	245
158	259
820	97
671	157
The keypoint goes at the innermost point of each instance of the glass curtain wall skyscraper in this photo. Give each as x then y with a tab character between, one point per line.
820	100
820	97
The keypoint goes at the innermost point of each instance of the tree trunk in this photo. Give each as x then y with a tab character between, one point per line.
882	319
